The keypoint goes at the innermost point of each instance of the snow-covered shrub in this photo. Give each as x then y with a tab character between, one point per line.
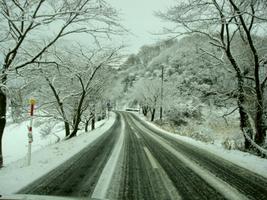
47	129
38	122
197	132
176	117
233	143
202	136
181	113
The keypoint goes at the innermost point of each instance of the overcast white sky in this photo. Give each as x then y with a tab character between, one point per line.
138	16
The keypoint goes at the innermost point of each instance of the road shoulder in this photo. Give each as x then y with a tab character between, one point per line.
17	175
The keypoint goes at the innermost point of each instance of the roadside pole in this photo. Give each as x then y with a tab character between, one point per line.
30	137
161	93
108	107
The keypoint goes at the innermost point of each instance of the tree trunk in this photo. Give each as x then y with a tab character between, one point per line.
77	118
259	118
144	110
245	125
86	126
93	123
67	128
61	108
3	105
75	126
153	114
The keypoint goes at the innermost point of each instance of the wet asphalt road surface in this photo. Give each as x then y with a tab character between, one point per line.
78	176
152	165
250	184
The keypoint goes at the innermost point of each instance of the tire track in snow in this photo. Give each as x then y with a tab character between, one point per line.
221	186
103	184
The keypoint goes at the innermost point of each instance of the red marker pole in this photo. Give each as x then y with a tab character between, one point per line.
30	138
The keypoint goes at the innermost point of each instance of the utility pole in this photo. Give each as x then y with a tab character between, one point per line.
161	93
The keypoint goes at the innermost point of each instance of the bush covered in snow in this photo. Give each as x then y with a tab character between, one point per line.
233	143
196	131
182	113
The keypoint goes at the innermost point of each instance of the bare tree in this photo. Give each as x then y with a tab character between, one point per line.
85	80
147	93
86	73
222	22
25	22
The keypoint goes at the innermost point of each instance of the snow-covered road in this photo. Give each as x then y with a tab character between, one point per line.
131	159
157	165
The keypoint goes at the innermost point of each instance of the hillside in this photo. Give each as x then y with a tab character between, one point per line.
199	88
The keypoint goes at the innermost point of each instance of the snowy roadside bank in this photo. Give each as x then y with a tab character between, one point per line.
246	160
14	176
15	139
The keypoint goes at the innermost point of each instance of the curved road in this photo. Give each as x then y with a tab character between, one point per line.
250	184
149	165
78	176
194	172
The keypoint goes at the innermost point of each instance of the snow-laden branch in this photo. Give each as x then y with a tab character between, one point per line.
72	17
259	148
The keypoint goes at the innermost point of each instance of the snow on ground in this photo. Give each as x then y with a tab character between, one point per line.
16	175
246	160
15	141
